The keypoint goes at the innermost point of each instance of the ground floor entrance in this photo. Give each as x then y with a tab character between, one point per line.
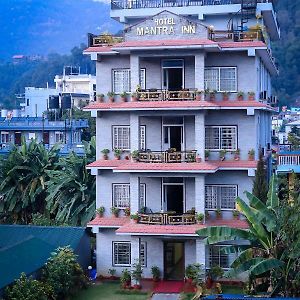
174	265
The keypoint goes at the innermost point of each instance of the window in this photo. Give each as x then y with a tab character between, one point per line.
31	135
121	137
220	196
143	254
142	137
221	79
5	137
221	137
217	257
121	253
121	195
76	137
59	137
121	80
142	195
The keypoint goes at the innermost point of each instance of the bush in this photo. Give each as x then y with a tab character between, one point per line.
63	273
28	289
195	272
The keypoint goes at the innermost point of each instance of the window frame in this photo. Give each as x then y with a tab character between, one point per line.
127	185
142	142
144	264
219	90
113	137
114	243
142	186
219	196
210	264
7	137
61	134
221	138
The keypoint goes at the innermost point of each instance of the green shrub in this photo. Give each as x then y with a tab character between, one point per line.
27	288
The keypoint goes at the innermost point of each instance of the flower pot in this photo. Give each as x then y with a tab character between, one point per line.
126	157
212	97
236	157
137	287
189	280
225	98
117	157
123	99
240	98
209	283
250	157
198	97
100	215
111	99
134	99
251	98
116	215
105	156
200	222
198	159
219	217
100	99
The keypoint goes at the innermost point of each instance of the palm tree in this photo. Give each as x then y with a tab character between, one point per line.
262	255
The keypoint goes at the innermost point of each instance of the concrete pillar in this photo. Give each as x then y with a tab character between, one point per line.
134	193
135	254
200	134
200	193
134	131
200	252
134	71
199	71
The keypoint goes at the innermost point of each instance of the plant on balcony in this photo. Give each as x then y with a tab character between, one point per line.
100	211
218	213
212	95
207	154
155	271
136	274
125	279
200	218
112	273
222	154
207	215
225	96
237	153
134	97
100	98
172	150
111	96
127	211
124	96
251	96
251	154
134	217
235	214
117	153
194	273
206	94
240	96
199	95
105	153
135	155
115	211
138	88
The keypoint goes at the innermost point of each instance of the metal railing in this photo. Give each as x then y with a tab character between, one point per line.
167	156
166	219
290	159
103	40
236	36
165	95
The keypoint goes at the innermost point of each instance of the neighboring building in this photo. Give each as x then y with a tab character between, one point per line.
171	51
67	133
27	248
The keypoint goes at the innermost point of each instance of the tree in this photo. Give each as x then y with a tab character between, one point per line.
260	185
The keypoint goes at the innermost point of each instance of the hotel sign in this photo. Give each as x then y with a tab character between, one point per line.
166	26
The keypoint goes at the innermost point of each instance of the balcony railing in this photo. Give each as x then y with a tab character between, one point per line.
290	159
167	219
167	156
103	40
236	36
164	95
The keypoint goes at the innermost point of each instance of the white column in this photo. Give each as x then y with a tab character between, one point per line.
199	71
134	193
200	252
200	134
134	131
135	253
134	71
200	193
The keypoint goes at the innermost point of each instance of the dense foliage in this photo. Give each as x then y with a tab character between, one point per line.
38	186
260	185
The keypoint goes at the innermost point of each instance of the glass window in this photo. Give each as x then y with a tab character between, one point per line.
142	137
5	137
217	257
121	195
142	195
220	196
172	63
122	253
143	254
59	137
221	138
121	137
221	79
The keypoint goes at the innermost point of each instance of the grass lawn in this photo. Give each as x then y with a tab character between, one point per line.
109	291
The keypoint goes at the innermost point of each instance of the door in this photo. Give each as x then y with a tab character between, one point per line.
174	198
46	137
173	137
18	138
173	74
174	260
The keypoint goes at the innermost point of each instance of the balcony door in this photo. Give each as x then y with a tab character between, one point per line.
173	74
173	197
173	137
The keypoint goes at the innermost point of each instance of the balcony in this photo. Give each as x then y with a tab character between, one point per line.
236	36
165	95
167	218
103	40
167	156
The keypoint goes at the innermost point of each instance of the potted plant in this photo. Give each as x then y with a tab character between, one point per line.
207	154
213	274
125	279
127	211
218	213
235	214
194	273
225	96
112	273
136	274
251	96
117	153
200	218
135	155
251	154
124	96
134	97
155	271
212	95
237	154
198	95
100	211
222	154
240	96
115	211
207	215
111	96
134	217
105	153
198	158
100	98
